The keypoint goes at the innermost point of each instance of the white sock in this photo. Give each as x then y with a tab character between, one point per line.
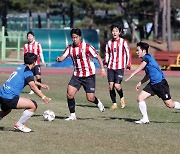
115	104
177	105
143	109
25	116
73	114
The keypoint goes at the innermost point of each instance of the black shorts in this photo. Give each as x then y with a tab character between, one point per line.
36	70
160	89
88	83
7	104
115	76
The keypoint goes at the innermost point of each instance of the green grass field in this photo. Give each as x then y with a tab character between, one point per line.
111	132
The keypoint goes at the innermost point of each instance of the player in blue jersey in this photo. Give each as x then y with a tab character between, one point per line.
12	88
157	85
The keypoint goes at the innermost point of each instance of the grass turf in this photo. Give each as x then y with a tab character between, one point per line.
94	132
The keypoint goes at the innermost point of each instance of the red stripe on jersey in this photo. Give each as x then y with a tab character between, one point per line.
117	52
122	63
112	50
75	60
35	48
88	59
81	60
81	56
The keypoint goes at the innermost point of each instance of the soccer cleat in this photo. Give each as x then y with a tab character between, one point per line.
31	92
22	128
123	104
114	107
100	106
71	118
142	121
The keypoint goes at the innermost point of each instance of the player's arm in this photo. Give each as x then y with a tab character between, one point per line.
145	78
137	70
60	59
103	72
128	54
41	54
42	85
34	88
64	55
106	57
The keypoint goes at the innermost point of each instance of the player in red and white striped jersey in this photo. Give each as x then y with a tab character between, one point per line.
35	47
117	58
84	71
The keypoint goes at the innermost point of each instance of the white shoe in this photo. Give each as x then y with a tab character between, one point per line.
100	106
142	121
31	92
22	128
71	118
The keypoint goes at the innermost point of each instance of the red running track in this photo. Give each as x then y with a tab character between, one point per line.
49	71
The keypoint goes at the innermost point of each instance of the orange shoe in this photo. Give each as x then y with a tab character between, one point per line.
114	107
123	103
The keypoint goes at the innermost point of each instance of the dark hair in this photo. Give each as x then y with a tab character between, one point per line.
76	31
143	46
30	58
116	26
30	32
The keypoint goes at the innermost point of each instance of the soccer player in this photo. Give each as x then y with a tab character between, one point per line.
117	58
35	47
84	71
12	88
156	86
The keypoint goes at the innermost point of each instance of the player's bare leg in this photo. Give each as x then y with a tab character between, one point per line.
30	107
71	91
92	98
112	93
120	92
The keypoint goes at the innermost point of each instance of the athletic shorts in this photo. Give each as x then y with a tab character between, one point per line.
160	89
7	104
115	76
36	70
88	83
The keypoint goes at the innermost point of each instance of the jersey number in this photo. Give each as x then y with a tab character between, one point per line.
12	76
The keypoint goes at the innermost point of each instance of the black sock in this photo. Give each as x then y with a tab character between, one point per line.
39	80
96	100
71	105
120	92
113	95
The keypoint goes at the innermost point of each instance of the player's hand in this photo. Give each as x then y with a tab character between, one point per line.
45	86
46	100
103	72
44	64
128	68
138	86
58	59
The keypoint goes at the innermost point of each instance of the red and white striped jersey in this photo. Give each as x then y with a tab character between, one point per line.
117	54
82	58
33	47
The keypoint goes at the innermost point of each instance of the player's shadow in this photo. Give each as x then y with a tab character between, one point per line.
133	120
118	118
63	117
10	129
88	106
25	92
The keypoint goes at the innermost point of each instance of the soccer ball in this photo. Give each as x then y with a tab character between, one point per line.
48	115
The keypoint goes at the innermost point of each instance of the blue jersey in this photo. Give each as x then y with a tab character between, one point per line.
16	82
152	69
